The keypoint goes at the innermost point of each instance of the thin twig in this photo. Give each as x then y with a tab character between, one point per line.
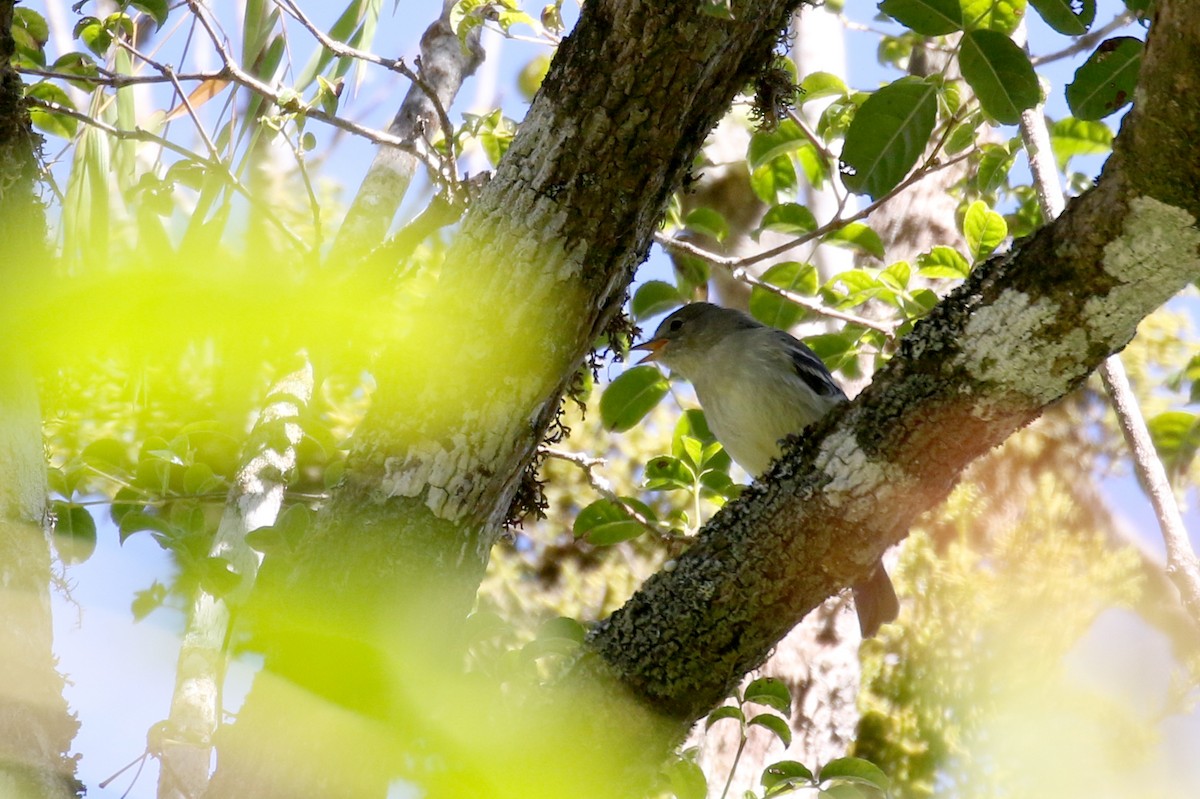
1086	41
604	488
1182	566
142	135
815	306
231	71
394	64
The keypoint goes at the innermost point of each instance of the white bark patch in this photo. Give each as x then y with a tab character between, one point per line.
1008	343
856	481
1158	253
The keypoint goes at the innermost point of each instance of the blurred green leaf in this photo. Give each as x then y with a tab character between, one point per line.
631	396
1002	16
775	724
943	262
790	219
157	9
770	691
687	779
218	577
654	297
50	121
774	179
725	712
857	236
819	85
667	473
772	309
1106	81
1062	16
766	146
74	532
785	775
708	222
857	770
1070	137
926	17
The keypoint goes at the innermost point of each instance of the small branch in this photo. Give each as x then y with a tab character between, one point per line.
815	306
1182	566
142	135
394	64
604	488
253	501
1087	41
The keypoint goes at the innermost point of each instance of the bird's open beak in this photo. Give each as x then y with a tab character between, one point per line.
654	346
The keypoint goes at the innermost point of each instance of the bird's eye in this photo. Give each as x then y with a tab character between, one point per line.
675	325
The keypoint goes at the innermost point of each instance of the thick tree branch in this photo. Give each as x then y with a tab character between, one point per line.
1025	329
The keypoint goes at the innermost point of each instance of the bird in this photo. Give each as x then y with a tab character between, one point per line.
757	385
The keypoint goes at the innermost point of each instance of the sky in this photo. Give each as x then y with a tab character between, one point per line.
121	672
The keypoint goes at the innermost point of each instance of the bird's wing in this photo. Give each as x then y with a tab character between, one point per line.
811	369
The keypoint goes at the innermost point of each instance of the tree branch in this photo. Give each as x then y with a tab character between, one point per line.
1025	329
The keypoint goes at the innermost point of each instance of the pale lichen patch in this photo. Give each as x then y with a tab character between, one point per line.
1008	343
853	474
1157	254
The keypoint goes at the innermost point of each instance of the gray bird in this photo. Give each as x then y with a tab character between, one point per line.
757	385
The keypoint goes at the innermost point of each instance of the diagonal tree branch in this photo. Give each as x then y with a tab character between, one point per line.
1025	329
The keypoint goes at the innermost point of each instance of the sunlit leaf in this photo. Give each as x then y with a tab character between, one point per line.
888	135
1070	137
856	769
631	396
1105	82
984	229
775	724
926	17
1000	73
790	276
1063	16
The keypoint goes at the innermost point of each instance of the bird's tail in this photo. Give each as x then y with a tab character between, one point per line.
875	600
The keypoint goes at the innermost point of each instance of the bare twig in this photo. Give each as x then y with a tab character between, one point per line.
604	488
1182	566
142	135
1087	41
394	64
815	306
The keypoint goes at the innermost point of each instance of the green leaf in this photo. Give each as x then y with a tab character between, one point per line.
707	221
267	540
926	17
667	473
962	135
654	297
984	229
857	236
774	179
819	85
157	9
1176	436
725	712
789	772
775	724
135	521
148	600
604	522
995	161
1070	137
771	692
766	146
199	479
631	396
30	33
687	779
52	122
1060	15
80	64
74	532
1105	82
217	576
93	34
1000	73
943	262
563	627
857	770
790	219
771	309
1002	16
888	135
